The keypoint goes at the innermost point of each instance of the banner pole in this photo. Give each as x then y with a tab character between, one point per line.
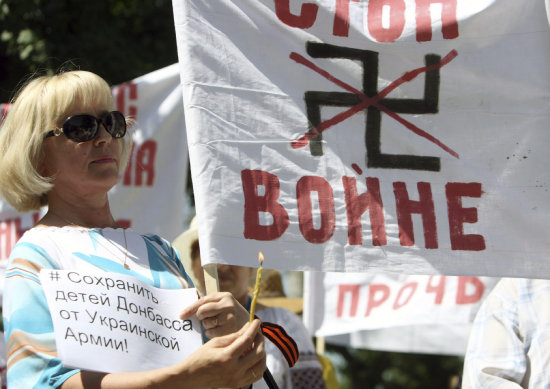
320	345
211	281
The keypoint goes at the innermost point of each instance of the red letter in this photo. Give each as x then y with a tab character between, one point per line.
439	289
462	297
6	238
356	205
373	302
145	162
396	23
4	109
425	207
449	24
458	216
307	16
124	223
304	187
342	290
341	18
119	92
254	204
129	166
20	231
408	285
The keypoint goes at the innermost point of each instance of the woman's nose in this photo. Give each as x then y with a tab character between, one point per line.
102	135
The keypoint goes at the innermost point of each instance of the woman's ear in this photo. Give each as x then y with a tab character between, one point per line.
43	167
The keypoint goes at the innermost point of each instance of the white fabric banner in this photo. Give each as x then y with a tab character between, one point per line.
150	196
404	136
450	339
394	312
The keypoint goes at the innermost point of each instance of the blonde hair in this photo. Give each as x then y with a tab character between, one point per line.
41	104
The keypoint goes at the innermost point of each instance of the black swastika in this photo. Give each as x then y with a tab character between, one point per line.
375	158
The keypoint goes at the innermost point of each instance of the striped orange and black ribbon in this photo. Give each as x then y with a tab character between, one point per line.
282	340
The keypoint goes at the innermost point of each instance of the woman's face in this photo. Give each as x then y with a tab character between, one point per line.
233	279
81	168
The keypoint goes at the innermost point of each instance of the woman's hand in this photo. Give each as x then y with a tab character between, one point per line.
233	360
219	312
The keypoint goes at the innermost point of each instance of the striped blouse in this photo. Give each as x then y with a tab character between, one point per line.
31	351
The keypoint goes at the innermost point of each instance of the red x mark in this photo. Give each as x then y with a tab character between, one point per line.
368	101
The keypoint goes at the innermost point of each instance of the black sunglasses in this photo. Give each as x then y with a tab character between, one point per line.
82	128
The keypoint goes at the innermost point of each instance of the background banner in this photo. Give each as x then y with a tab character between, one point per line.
439	339
399	136
150	196
430	314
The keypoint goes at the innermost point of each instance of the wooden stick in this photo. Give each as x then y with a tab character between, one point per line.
211	281
320	345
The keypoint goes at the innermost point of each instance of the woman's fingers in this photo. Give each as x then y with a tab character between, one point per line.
216	304
242	341
255	355
233	360
213	299
191	309
258	370
255	358
211	323
248	350
219	312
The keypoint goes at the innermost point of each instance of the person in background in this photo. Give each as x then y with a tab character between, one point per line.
307	371
63	146
509	345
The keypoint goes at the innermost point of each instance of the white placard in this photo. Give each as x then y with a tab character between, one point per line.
115	323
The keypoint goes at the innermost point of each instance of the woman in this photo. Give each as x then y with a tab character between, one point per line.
302	372
61	145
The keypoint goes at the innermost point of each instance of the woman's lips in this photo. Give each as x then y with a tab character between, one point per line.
104	159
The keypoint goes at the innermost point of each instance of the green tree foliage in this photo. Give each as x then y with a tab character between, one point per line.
369	369
118	39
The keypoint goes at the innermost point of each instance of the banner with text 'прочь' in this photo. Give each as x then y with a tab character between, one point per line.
343	135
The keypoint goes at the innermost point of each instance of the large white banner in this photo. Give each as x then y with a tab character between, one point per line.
394	312
405	135
150	196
